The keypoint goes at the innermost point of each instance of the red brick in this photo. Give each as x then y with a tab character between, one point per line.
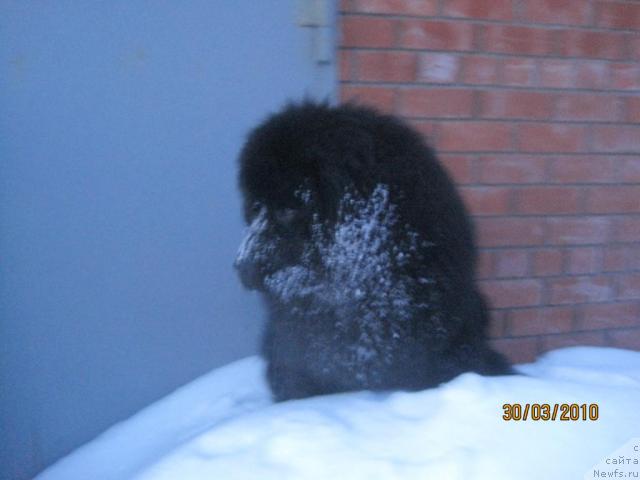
553	342
518	40
581	43
618	258
496	324
511	169
581	289
514	104
485	264
625	76
633	109
487	9
512	293
436	35
435	102
396	7
380	98
480	70
634	46
551	137
426	128
538	321
619	138
608	315
345	65
517	350
518	71
386	66
369	32
613	199
459	167
511	263
627	229
547	262
557	73
629	286
579	231
439	67
592	74
625	338
618	15
587	107
562	12
587	169
476	136
581	260
629	170
486	200
544	200
499	232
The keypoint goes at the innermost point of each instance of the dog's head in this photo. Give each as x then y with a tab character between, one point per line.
326	222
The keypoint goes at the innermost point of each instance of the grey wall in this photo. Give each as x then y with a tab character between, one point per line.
120	122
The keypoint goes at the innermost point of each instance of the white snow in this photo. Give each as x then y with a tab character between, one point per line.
223	426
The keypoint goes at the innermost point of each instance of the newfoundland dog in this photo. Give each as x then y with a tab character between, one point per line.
363	252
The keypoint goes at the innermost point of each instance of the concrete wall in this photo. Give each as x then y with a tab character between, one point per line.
119	127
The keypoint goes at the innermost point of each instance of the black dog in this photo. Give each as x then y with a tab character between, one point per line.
364	254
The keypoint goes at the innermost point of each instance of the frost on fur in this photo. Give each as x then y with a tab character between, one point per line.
349	270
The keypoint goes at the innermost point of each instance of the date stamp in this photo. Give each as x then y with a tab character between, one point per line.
563	412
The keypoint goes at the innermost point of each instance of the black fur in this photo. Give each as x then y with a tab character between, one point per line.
320	185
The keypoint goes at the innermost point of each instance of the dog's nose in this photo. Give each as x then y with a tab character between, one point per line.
249	273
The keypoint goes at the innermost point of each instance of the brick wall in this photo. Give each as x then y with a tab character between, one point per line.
534	106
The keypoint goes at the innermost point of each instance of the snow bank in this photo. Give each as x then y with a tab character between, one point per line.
223	426
130	446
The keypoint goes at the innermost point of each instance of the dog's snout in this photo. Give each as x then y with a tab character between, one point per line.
248	272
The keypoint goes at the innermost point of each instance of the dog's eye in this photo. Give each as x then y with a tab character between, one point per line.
286	216
255	208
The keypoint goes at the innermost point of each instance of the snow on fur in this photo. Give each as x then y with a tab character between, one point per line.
358	260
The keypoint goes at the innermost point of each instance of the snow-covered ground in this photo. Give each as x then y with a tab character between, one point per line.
223	426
